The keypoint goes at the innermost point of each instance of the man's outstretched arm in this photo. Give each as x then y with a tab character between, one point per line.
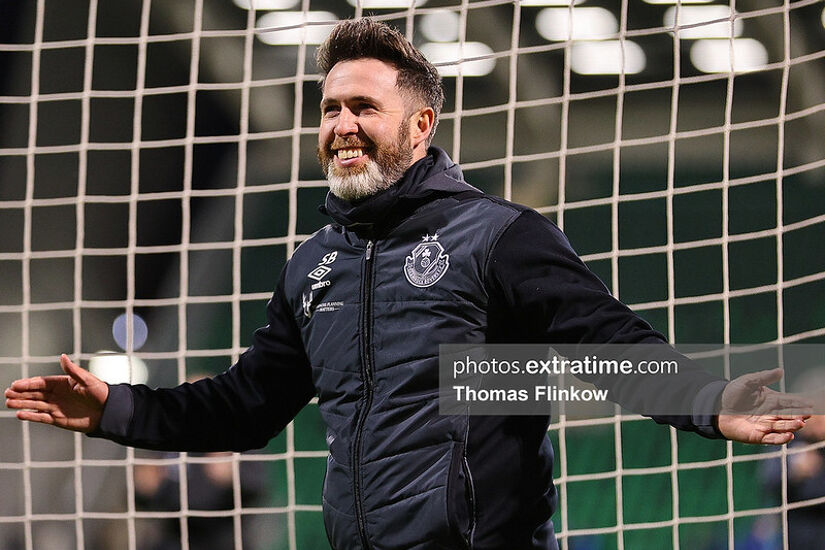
534	272
73	401
237	410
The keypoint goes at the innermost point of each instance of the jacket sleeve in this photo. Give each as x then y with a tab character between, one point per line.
240	409
540	291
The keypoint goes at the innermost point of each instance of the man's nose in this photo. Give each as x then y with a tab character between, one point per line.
347	123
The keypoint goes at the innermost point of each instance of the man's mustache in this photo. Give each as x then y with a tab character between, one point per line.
340	143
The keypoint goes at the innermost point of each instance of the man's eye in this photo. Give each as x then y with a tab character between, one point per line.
331	111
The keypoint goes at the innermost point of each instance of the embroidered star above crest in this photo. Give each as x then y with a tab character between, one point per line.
428	238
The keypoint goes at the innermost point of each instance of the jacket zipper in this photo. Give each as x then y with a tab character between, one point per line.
366	373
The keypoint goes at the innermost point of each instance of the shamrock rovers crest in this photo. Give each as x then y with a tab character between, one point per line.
427	262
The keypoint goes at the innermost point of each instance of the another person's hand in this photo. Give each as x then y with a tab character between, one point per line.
73	401
753	413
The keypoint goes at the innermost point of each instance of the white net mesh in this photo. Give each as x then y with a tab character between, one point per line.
158	159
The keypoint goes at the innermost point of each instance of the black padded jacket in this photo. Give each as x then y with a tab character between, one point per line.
356	319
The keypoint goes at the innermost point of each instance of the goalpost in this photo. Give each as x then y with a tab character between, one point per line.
157	167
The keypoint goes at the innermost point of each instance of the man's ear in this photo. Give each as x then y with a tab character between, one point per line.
421	125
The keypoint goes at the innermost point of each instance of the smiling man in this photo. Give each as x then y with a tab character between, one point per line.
365	143
377	115
413	258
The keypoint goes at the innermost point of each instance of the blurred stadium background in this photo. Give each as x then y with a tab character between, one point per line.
157	158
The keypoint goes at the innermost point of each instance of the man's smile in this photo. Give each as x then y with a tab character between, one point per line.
349	156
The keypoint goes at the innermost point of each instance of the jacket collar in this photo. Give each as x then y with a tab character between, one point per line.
435	174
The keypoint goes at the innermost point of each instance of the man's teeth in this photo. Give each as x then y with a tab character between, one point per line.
344	154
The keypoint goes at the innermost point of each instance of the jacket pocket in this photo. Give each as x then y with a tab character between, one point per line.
460	498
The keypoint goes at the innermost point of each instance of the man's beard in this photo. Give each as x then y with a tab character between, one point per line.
385	166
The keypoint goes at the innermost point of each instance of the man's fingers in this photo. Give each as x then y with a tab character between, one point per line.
29	384
784	404
777	438
30	404
787	425
762	378
38	395
32	416
765	429
793	416
72	369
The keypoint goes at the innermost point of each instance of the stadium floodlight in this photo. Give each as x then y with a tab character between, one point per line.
297	31
440	26
670	2
607	57
120	331
118	368
722	56
447	57
709	21
544	3
386	4
577	24
266	4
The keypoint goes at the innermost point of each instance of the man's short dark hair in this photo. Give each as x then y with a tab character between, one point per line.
418	80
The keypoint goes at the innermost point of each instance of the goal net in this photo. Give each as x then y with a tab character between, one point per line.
157	168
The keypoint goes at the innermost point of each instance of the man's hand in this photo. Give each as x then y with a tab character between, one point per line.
73	402
753	413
